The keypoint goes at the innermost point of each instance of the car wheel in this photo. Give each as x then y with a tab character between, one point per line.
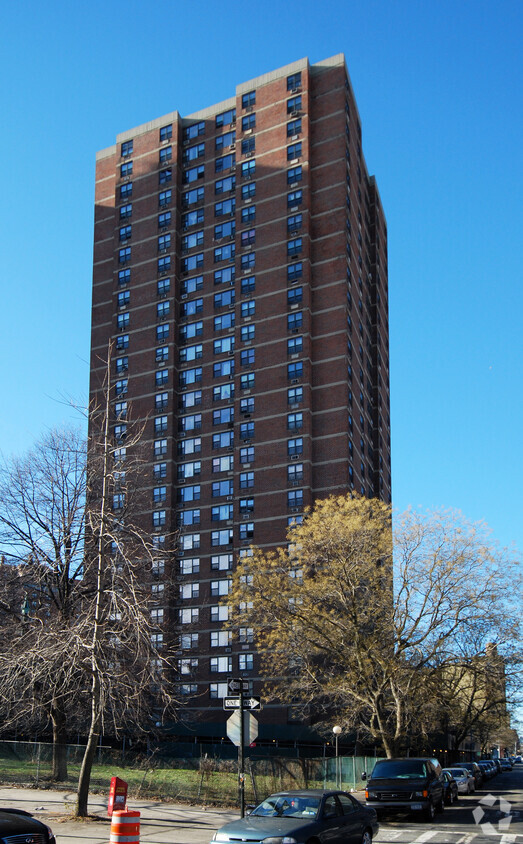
441	805
367	837
456	797
430	812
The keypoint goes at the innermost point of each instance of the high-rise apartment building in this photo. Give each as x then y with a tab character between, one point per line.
240	269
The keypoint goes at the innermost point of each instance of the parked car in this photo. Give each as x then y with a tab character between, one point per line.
450	787
406	785
474	768
497	763
301	816
506	764
464	779
19	826
488	769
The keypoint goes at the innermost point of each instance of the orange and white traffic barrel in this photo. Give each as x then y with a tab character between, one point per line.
125	827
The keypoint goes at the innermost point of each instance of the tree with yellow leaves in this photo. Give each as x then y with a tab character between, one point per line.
359	616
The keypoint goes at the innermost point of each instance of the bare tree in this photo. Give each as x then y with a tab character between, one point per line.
86	647
42	510
364	621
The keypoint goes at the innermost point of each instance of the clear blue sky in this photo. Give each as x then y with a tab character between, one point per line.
438	86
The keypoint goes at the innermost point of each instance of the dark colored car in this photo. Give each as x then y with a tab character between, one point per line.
450	787
505	764
333	817
19	826
476	770
406	785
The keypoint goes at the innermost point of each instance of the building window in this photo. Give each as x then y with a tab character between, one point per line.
192	218
164	264
295	498
221	513
160	470
224	392
220	664
248	261
295	446
295	395
166	132
190	615
159	518
249	190
165	176
164	198
160	448
193	262
247	333
220	588
193	174
190	565
224	439
190	376
295	473
123	298
248	145
248	237
226	118
221	537
294	295
294	152
246	480
126	211
294	321
188	517
122	364
191	285
124	255
122	342
223	416
221	638
294	104
295	198
224	163
294	127
245	662
295	271
248	285
246	505
227	206
294	81
294	345
194	131
191	399
159	494
248	122
124	277
192	196
246	531
249	99
164	219
294	174
221	562
225	140
295	370
126	169
220	613
247	357
224	253
248	168
221	488
193	153
247	431
294	247
126	190
126	148
294	421
225	185
247	454
189	241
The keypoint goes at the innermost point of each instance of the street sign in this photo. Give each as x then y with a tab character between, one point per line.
235	685
248	703
250	728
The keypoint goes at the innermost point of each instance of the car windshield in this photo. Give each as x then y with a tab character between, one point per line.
457	772
287	806
404	769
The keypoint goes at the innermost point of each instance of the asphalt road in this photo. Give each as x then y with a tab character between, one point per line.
164	823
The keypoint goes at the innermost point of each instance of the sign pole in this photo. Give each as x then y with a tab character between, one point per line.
241	766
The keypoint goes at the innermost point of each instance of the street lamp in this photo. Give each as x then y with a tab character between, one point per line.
337	730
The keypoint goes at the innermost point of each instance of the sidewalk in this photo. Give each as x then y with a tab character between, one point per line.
160	823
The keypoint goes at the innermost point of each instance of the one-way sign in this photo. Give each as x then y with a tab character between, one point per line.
234	685
248	703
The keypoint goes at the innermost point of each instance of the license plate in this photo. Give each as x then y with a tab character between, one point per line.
416	806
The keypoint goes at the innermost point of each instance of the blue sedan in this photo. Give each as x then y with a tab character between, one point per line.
300	817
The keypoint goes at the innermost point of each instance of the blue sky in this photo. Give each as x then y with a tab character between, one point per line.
438	85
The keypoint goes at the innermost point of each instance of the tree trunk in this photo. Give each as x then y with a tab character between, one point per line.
59	744
82	797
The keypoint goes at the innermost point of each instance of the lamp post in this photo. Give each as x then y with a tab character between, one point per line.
337	730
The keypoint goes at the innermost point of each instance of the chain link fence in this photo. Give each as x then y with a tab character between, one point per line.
204	779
